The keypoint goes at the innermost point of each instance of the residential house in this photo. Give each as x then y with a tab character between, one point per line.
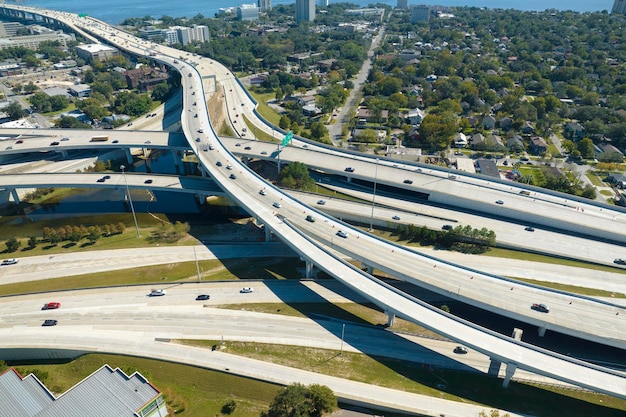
476	140
527	128
415	116
505	123
489	122
370	116
538	144
494	140
80	90
515	144
573	131
460	141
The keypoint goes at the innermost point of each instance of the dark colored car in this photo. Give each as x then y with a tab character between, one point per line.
218	163
203	297
541	308
49	322
147	181
54	143
529	229
233	177
408	181
446	227
349	169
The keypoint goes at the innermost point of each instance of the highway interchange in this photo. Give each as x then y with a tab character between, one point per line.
289	224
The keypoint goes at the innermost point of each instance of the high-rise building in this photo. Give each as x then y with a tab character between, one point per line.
322	3
305	10
619	7
264	5
402	4
420	14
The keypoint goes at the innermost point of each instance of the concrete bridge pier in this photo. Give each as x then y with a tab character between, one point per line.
129	157
310	270
201	198
390	318
246	161
541	331
16	197
268	234
494	367
510	370
64	154
202	171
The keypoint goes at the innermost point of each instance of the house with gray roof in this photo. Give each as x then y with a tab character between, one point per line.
515	143
107	392
489	122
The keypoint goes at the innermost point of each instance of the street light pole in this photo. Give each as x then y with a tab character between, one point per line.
343	329
130	200
374	196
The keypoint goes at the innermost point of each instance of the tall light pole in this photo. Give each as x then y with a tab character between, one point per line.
374	196
130	200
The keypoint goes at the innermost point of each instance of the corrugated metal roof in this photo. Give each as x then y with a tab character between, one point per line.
105	393
22	397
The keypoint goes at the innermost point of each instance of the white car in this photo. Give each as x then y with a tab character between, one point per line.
263	192
157	293
277	204
246	290
342	234
11	261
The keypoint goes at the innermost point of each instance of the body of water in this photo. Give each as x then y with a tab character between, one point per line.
115	11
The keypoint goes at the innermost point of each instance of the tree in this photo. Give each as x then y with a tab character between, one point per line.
32	242
14	110
318	130
585	146
13	244
297	400
296	175
58	102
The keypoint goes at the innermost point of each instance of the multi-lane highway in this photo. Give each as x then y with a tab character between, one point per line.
288	223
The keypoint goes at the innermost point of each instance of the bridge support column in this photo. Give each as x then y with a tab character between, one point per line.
310	270
64	154
129	157
349	180
494	367
268	234
202	171
517	334
510	370
390	318
246	161
368	268
176	156
16	197
541	331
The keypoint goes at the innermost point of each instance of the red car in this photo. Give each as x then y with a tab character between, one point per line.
51	306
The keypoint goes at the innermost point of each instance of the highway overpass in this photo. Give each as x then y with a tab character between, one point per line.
288	224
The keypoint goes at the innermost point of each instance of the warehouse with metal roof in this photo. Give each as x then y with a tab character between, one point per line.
107	392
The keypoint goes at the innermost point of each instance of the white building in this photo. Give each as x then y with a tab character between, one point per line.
248	12
96	51
264	5
185	35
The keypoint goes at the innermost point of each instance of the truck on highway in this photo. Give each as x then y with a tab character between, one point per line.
101	138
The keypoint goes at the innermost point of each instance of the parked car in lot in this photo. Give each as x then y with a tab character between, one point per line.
203	297
11	261
246	290
460	349
51	306
342	234
157	293
541	308
49	322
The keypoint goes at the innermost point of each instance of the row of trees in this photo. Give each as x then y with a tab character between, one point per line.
461	238
77	233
